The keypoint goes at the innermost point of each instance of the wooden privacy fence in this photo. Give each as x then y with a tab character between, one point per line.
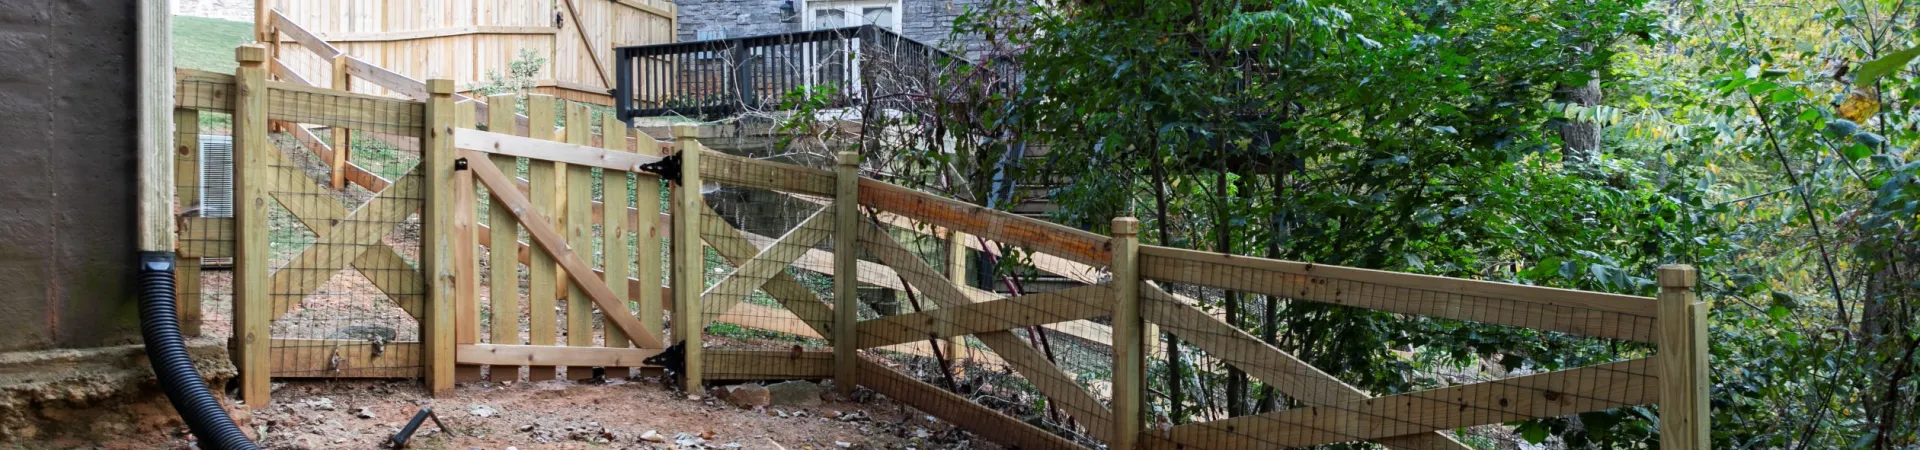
797	253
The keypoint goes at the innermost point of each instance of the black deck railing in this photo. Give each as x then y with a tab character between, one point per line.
844	66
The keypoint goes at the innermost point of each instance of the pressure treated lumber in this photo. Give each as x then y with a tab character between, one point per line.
331	358
537	226
1576	312
959	410
1552	394
252	294
1685	417
1041	373
1085	302
1287	374
725	364
437	236
846	262
689	259
1035	235
542	274
1129	338
508	355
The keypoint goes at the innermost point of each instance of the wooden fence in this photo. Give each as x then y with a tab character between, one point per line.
592	255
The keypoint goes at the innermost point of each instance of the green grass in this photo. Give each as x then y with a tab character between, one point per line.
207	44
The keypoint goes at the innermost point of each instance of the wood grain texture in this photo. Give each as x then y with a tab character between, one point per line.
1576	312
1035	235
323	358
551	240
1085	302
542	273
1552	394
958	410
1043	374
154	72
546	356
578	226
724	364
252	293
1287	374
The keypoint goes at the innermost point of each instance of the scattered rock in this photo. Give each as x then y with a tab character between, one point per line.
526	428
843	444
795	393
364	413
746	396
653	436
322	403
481	411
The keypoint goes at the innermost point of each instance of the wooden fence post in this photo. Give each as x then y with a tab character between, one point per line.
689	256
1129	346
846	267
1684	421
957	274
252	301
341	140
437	235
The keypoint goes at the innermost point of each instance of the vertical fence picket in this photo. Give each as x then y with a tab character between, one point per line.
579	232
503	287
846	269
614	229
1683	361
541	269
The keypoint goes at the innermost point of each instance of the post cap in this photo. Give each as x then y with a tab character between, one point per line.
1126	226
848	158
250	53
1678	276
686	131
440	86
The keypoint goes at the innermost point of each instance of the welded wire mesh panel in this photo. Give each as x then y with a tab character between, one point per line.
203	157
345	283
770	270
1004	348
1335	355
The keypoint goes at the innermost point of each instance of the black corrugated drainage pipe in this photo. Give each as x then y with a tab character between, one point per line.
167	349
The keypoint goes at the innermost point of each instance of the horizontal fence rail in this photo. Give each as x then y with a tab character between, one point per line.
730	76
870	282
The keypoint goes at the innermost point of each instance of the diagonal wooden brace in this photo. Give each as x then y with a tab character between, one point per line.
751	275
613	308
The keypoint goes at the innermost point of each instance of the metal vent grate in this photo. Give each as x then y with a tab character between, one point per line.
216	176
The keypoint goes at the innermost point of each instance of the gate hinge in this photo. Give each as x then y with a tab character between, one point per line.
667	168
673	359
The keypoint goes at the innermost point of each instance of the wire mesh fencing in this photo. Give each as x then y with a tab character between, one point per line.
1532	353
346	289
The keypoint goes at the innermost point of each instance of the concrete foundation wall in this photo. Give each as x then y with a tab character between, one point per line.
68	156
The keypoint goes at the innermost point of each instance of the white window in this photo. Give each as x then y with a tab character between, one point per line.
823	14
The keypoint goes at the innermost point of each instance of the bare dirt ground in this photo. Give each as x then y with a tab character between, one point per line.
566	415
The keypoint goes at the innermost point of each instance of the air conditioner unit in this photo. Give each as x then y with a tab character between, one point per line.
216	176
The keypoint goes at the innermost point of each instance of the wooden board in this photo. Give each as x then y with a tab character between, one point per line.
1551	394
1041	373
548	356
958	410
542	274
298	34
252	293
322	358
1287	374
579	234
1035	235
752	274
573	153
1085	302
724	364
292	102
503	290
537	226
728	169
1577	312
617	238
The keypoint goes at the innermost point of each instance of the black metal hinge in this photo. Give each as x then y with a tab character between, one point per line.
667	168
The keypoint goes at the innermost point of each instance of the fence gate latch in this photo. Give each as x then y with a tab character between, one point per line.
667	168
460	164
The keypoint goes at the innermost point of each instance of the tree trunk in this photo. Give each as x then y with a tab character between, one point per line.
1580	138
